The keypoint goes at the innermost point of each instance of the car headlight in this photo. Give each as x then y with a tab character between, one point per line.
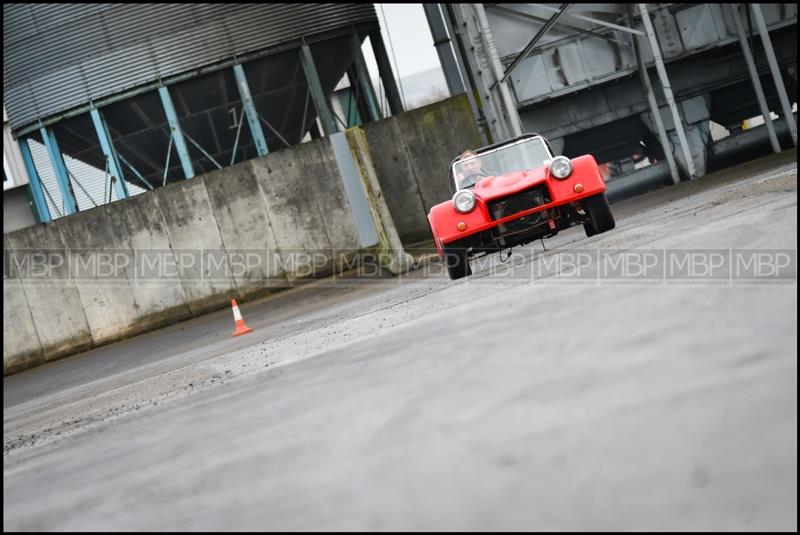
561	167
464	201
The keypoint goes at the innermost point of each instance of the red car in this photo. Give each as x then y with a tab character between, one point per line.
513	193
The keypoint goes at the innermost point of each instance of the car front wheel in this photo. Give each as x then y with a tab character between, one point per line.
457	263
600	217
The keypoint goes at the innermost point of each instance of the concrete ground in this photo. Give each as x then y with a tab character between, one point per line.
520	398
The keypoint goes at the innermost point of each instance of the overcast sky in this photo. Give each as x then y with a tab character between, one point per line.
410	37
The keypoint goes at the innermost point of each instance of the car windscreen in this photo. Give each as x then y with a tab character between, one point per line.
521	155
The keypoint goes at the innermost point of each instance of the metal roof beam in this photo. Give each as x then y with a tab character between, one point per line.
92	149
572	27
593	20
292	99
140	112
213	130
124	141
529	47
135	171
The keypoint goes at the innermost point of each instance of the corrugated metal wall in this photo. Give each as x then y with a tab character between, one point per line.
59	56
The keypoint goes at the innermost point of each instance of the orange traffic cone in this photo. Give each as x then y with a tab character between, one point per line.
241	328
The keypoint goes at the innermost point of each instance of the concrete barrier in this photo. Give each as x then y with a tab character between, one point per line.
290	194
398	181
139	232
196	242
411	154
21	346
185	249
182	250
241	216
54	303
389	248
102	285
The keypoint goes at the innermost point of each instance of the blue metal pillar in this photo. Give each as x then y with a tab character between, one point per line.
60	170
177	134
34	184
441	41
385	72
250	110
363	78
349	104
107	145
317	95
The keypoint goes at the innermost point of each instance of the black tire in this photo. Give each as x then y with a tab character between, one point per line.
601	219
457	263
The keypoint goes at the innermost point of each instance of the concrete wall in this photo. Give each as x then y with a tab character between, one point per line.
245	228
411	153
52	299
194	237
137	226
19	337
240	232
182	250
308	209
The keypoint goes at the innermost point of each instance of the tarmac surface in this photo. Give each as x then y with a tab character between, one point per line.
549	392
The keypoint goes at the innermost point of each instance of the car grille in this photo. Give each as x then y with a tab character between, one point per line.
524	200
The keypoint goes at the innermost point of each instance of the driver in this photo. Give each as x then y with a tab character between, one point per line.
471	170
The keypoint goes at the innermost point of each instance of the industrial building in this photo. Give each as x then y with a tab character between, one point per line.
144	95
573	72
148	94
